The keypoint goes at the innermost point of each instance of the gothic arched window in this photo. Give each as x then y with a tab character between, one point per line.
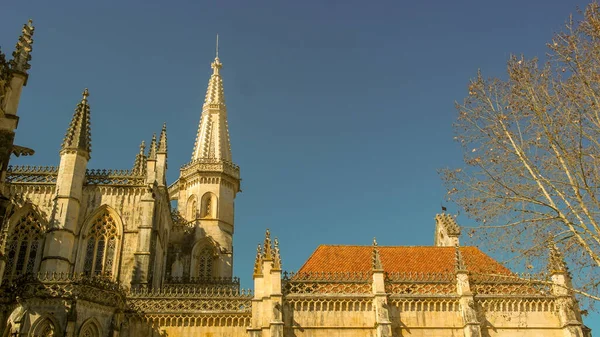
89	329
23	246
101	246
205	263
45	328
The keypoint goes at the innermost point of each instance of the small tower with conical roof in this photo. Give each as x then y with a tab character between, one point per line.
208	184
74	157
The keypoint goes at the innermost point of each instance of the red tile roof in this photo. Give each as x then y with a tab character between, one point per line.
420	259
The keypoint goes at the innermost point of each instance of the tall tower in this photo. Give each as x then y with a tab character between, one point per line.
207	187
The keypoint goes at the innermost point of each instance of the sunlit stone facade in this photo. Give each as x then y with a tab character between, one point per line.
101	252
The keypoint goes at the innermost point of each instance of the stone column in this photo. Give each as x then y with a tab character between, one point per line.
568	309
256	323
472	326
383	325
267	305
142	255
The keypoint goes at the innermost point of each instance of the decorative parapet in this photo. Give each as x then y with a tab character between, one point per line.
536	285
201	283
114	177
420	284
32	174
97	289
49	174
327	283
189	292
202	300
213	165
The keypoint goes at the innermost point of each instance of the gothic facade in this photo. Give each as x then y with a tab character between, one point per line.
101	252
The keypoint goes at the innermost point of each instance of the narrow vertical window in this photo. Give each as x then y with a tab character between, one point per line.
22	246
205	264
100	248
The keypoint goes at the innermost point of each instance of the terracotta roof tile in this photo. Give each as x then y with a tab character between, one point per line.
420	259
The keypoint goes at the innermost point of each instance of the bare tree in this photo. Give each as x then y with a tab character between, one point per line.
531	147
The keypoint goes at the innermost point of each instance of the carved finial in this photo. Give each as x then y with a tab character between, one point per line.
162	140
78	136
268	255
22	53
152	149
459	263
276	255
556	262
377	265
139	166
258	262
215	93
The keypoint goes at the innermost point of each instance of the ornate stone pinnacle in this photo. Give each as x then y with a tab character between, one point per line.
4	79
268	255
377	265
215	93
139	166
459	263
78	136
22	53
162	140
152	150
276	255
448	221
258	262
556	262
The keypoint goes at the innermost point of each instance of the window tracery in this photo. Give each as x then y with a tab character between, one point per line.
101	246
23	246
205	263
89	330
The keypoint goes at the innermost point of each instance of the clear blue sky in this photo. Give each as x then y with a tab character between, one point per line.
340	112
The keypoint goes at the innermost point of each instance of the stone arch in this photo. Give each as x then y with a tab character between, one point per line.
24	242
204	259
45	326
192	208
209	206
100	242
90	328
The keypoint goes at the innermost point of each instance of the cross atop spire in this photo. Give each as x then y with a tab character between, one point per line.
78	136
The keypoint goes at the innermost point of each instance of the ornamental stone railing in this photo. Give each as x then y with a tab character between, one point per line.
49	174
214	165
97	289
32	174
190	300
327	283
419	283
113	177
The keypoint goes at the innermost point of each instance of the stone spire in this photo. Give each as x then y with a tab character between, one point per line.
152	149
78	137
162	140
212	140
22	53
139	166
